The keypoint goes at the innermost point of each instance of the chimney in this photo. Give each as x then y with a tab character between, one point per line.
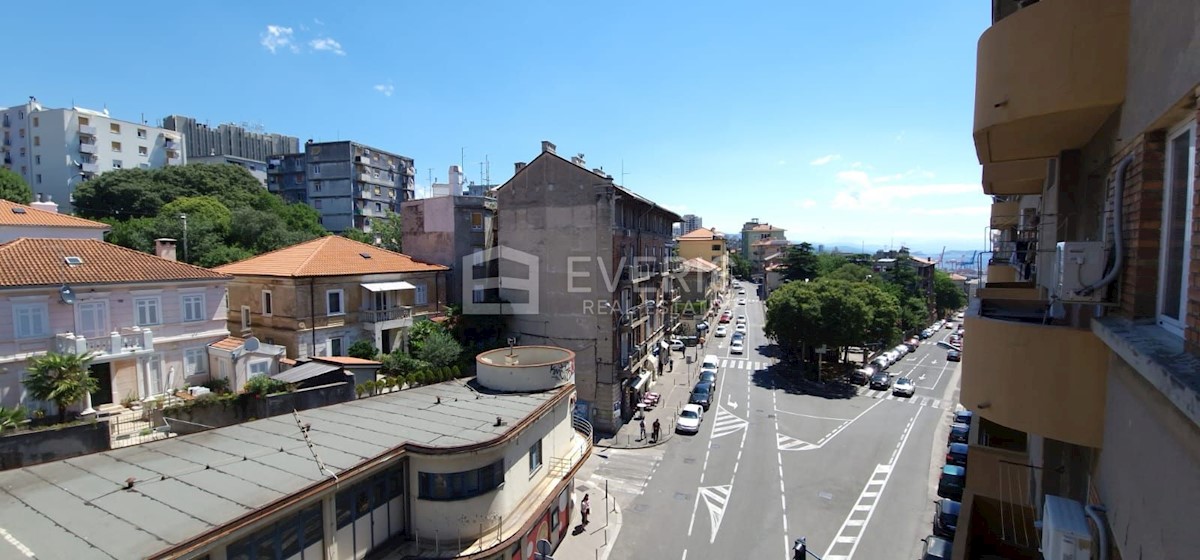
164	248
518	166
44	204
548	147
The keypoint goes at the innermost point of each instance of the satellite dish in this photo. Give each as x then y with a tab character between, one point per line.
251	344
66	295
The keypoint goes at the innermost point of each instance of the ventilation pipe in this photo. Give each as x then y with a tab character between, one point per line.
1118	217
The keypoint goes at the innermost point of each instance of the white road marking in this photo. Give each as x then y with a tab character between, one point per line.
813	417
17	544
729	401
726	423
715	498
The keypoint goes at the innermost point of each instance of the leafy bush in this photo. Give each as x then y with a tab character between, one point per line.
218	386
439	349
363	349
399	363
262	386
11	418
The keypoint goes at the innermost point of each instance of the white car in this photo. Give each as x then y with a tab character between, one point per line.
904	387
741	301
677	345
721	331
740	328
741	320
689	419
737	347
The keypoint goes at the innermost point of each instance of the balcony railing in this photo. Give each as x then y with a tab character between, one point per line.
170	144
174	161
126	342
389	314
87	147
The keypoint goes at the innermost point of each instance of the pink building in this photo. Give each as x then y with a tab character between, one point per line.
146	320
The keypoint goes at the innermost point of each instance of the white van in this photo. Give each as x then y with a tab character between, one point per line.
711	361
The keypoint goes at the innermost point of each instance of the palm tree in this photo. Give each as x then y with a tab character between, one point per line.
11	417
63	379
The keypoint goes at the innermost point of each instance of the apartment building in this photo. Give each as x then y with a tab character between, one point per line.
54	149
708	244
446	230
319	297
691	222
145	320
453	470
1083	342
595	276
699	289
347	183
229	139
753	231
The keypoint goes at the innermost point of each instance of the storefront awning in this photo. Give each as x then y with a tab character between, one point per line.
665	345
388	286
651	363
641	381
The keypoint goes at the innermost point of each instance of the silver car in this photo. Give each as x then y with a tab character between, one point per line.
904	387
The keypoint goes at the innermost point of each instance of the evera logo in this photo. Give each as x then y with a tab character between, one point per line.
476	281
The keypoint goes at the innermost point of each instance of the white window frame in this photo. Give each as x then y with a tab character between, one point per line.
536	457
474	226
257	367
31	320
195	361
421	294
246	320
186	301
341	342
92	306
341	295
1172	324
156	309
268	303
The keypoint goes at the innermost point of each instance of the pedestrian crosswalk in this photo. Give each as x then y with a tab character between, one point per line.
917	399
625	472
749	365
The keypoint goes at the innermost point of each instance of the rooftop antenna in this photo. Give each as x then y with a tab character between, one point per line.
462	158
623	173
487	173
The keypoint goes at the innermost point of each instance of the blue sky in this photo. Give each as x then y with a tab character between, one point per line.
844	122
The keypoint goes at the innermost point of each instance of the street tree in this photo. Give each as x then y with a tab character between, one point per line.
827	263
208	224
946	294
62	379
793	317
388	233
439	349
13	187
849	272
739	265
801	263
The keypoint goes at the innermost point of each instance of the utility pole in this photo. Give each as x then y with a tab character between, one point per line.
185	237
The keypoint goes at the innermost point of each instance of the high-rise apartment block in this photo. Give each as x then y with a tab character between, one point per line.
347	183
55	149
230	140
692	222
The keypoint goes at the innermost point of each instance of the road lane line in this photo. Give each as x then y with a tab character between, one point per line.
814	417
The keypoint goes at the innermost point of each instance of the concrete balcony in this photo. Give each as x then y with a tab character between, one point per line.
125	343
87	147
87	130
170	144
175	160
1048	76
390	318
1005	214
369	178
89	167
1037	378
1027	176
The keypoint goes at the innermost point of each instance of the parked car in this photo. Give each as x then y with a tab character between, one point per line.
677	345
949	325
954	356
737	335
904	387
957	454
959	433
963	417
945	518
741	327
950	484
702	395
711	361
724	318
741	320
861	376
708	376
737	347
689	419
881	381
936	548
721	331
912	344
892	356
741	301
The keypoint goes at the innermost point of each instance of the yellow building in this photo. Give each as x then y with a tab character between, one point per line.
707	244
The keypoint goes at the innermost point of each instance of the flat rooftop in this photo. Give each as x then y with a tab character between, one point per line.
187	485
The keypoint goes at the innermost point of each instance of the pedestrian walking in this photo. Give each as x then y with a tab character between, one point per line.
657	430
642	424
585	508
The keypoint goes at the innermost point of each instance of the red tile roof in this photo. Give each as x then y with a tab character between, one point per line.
42	262
30	216
229	343
702	233
332	255
765	227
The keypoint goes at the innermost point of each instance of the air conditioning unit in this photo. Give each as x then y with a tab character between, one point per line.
1077	265
1065	531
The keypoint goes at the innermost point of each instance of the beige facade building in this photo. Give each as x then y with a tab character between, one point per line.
1083	343
319	297
599	281
707	244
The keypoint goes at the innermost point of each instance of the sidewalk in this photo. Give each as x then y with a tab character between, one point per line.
594	541
675	387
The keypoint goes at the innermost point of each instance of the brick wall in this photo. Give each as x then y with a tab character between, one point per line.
1142	207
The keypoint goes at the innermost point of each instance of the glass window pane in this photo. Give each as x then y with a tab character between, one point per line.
1176	224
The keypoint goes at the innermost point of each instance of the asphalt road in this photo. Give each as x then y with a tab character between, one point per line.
852	472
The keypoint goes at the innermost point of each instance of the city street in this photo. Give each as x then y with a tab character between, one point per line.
851	472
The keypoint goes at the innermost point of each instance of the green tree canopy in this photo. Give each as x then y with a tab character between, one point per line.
388	231
827	263
946	294
439	349
14	188
208	224
801	262
126	193
739	265
60	378
420	331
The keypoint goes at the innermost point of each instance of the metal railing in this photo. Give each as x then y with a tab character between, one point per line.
380	315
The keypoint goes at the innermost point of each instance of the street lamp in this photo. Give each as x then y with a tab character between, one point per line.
185	240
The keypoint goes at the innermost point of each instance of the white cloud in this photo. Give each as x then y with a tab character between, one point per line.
318	21
861	191
825	159
957	211
278	37
386	89
327	44
806	203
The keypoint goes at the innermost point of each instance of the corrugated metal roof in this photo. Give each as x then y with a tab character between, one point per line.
305	371
188	485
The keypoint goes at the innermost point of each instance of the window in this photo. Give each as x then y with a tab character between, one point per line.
316	169
38	178
377	191
535	457
37	140
195	361
245	317
1179	189
147	311
21	133
114	128
316	203
259	367
421	295
288	538
84	121
35	121
31	320
317	186
117	164
141	133
336	346
476	221
460	485
142	151
267	303
37	160
22	151
116	146
716	247
477	256
477	294
333	302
